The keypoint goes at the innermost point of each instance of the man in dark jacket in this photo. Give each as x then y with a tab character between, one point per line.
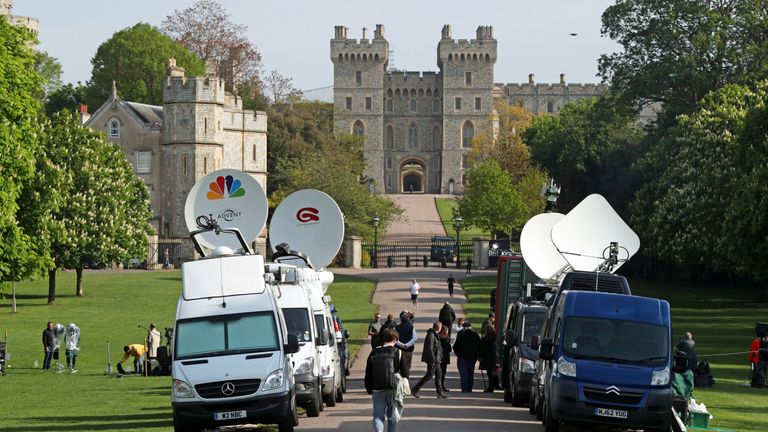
432	356
688	346
447	316
48	345
406	342
445	346
467	350
488	358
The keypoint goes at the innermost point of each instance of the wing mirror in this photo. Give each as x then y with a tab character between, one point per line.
510	337
535	342
293	344
547	349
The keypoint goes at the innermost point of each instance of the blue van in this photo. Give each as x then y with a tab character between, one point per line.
609	361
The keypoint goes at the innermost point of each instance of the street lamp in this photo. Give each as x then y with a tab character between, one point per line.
457	225
551	192
374	255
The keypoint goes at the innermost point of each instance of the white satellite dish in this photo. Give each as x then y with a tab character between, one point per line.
585	234
233	199
310	222
539	252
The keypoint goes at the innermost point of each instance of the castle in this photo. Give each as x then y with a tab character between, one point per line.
6	10
199	128
417	127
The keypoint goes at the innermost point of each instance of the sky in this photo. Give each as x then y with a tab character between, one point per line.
294	36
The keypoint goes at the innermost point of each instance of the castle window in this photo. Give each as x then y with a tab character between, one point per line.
550	107
184	165
465	161
368	103
389	105
463	179
254	152
348	103
436	106
114	129
389	180
143	159
413	105
467	133
457	103
468	79
389	92
358	77
358	128
478	103
413	136
389	162
205	165
389	138
437	138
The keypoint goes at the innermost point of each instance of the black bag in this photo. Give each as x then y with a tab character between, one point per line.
758	376
383	368
703	377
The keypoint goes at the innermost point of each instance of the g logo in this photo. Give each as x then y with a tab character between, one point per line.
308	214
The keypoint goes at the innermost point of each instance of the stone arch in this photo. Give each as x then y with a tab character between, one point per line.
113	127
413	92
487	57
376	57
429	92
435	106
413	175
450	57
467	133
437	93
397	92
421	92
341	57
390	105
474	57
412	106
389	92
358	128
462	57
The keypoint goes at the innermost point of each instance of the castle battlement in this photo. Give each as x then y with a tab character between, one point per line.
482	49
179	88
412	79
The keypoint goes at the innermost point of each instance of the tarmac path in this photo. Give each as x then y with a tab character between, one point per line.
420	218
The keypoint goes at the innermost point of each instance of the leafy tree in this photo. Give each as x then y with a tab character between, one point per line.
49	69
135	59
529	190
104	212
490	200
207	30
506	144
18	144
67	97
281	89
588	148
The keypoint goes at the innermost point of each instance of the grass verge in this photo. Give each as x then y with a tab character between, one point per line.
116	302
445	208
722	321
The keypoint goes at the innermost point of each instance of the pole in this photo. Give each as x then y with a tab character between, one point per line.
458	246
376	245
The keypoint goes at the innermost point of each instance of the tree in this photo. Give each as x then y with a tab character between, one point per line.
18	143
135	59
67	97
529	190
206	29
490	200
676	51
104	212
281	89
506	144
49	69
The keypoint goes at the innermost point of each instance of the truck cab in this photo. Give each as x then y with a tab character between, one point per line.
525	321
608	361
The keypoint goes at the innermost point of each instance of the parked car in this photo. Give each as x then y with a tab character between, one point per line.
342	335
525	320
442	247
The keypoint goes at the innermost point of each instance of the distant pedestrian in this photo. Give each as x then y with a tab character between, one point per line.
445	360
488	358
432	356
381	382
415	287
374	328
467	350
469	265
167	263
447	316
48	345
451	281
406	342
459	325
490	321
688	346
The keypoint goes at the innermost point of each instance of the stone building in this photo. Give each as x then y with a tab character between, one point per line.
417	127
6	10
199	128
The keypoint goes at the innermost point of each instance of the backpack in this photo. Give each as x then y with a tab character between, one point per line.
703	376
383	369
758	376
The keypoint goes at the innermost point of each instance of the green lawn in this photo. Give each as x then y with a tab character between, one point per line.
721	319
445	208
115	303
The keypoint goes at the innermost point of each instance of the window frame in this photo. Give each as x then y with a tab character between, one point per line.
141	168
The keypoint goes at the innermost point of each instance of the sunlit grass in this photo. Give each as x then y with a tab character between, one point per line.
445	208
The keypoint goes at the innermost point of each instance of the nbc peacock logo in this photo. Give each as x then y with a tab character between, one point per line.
225	187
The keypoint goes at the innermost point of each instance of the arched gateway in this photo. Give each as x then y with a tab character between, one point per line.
413	177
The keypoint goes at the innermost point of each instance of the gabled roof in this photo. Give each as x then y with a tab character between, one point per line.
145	115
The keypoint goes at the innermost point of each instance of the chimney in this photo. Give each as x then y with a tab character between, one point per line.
446	34
365	33
562	78
531	78
84	116
379	32
340	32
173	70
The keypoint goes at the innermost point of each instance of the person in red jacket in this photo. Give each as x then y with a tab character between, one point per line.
754	349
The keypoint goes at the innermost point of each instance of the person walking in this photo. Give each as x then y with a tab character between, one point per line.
450	281
488	357
469	266
415	287
406	342
459	325
447	316
688	346
432	356
382	364
467	350
48	345
374	327
445	346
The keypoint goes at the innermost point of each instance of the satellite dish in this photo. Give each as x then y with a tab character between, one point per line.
539	252
310	222
234	199
584	235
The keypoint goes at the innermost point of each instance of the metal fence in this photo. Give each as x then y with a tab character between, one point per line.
415	253
165	253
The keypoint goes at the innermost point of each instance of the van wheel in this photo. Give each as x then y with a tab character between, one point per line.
550	424
507	394
330	398
290	420
343	383
539	408
517	399
313	408
532	404
340	393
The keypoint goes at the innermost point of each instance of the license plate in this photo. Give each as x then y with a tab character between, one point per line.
607	412
229	415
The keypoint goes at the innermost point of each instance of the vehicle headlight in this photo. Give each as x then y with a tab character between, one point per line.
274	380
305	366
526	365
326	370
565	367
661	377
182	390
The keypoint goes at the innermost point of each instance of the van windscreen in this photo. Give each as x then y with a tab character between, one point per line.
533	324
616	340
297	321
225	335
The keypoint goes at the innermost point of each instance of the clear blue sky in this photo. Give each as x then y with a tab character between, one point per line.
293	36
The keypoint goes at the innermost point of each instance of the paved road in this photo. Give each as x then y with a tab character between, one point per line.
420	218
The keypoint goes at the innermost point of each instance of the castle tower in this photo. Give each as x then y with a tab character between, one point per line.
32	24
359	68
6	7
467	70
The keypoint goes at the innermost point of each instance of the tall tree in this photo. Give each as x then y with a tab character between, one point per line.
18	143
68	96
281	89
506	144
207	30
49	69
490	200
135	59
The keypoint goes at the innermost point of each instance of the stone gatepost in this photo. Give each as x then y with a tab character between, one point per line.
353	251
480	253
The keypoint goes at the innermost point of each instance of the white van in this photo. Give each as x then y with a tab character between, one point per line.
231	348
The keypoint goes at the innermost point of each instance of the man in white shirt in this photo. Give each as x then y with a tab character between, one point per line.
415	287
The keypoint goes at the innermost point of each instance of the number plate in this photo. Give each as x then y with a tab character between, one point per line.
229	415
606	412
